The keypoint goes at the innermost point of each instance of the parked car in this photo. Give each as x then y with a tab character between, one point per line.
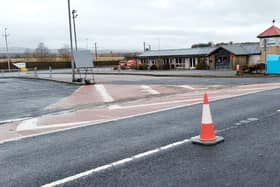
131	64
123	65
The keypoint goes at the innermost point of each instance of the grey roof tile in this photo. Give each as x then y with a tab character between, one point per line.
179	52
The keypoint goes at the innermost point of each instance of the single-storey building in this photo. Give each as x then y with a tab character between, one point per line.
223	56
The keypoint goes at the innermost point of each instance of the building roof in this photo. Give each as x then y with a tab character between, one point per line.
272	31
243	49
236	49
203	51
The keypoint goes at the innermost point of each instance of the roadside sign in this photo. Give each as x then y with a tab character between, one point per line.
83	59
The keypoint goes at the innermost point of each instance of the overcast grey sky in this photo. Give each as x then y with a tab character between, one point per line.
125	24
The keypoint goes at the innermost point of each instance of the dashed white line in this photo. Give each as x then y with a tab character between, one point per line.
245	121
145	154
253	119
115	164
150	90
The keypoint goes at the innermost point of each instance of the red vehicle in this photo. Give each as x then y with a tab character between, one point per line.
131	64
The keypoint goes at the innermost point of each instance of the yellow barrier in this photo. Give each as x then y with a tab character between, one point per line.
23	70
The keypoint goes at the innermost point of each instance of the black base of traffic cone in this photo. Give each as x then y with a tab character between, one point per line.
196	140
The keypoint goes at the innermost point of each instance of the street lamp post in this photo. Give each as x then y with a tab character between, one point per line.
74	16
71	42
7	49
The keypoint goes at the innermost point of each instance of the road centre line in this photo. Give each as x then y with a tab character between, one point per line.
149	90
116	164
124	161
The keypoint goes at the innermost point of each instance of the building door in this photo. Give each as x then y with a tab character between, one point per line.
222	59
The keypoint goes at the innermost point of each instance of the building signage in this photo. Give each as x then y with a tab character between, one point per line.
273	64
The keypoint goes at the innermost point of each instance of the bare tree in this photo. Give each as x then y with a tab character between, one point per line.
41	52
27	53
64	52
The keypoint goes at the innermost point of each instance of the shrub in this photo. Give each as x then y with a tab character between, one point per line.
153	67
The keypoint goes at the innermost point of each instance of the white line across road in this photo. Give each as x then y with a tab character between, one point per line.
104	94
117	163
150	90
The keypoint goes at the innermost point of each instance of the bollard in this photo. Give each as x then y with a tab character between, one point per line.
35	72
50	71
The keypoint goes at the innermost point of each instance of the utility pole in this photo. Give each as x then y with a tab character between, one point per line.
96	56
7	49
71	42
74	16
144	46
87	43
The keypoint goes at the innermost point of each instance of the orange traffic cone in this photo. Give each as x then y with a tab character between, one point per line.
207	131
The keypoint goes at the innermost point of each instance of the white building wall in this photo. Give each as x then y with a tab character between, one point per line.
187	63
254	59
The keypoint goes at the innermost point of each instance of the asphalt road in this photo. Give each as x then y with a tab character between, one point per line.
24	98
249	156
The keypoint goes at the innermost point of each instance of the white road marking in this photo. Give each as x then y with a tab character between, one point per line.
115	164
187	87
114	107
149	90
253	119
28	125
32	125
104	94
278	110
245	121
86	125
14	120
160	103
125	117
238	124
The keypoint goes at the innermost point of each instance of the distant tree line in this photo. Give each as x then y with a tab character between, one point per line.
43	53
